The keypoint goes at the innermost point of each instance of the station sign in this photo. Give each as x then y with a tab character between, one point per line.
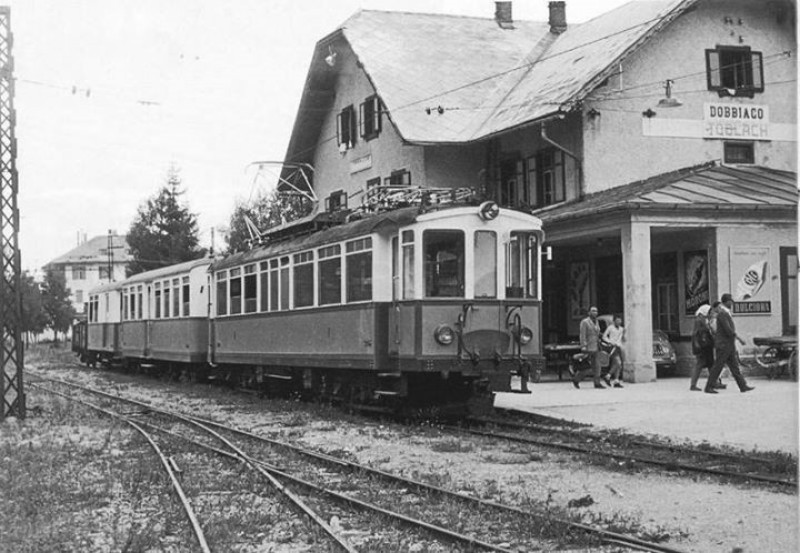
736	121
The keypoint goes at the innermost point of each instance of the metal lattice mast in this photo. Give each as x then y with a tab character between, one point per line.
11	351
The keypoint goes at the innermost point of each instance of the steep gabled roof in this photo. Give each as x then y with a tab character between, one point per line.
488	79
95	250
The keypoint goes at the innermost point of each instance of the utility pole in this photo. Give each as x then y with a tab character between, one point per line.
12	393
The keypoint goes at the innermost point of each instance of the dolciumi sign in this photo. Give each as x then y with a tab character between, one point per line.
736	121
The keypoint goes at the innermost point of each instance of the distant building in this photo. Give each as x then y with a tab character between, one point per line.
89	265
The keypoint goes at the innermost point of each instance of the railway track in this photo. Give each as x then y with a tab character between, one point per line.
733	466
437	515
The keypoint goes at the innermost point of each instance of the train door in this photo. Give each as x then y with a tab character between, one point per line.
148	323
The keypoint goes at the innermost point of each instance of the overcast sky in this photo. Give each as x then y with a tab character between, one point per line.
110	93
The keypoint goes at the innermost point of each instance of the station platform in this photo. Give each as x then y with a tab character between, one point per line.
765	419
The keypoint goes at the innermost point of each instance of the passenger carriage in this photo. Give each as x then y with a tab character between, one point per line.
165	314
102	326
409	303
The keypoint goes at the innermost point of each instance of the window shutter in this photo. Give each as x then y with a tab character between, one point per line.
758	71
339	130
351	118
712	69
377	115
361	129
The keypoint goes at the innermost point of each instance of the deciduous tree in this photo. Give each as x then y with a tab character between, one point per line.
266	210
164	231
34	318
56	303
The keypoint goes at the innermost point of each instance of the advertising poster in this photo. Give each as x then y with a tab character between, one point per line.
750	280
695	267
579	289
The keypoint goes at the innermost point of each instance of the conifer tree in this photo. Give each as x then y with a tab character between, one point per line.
164	231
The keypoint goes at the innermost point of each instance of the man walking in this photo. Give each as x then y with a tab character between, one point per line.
725	348
590	345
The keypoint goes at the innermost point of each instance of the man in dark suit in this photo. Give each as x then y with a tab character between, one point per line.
725	348
590	346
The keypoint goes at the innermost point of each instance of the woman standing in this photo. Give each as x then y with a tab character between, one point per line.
702	345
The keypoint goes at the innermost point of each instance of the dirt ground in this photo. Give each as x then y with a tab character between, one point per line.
696	514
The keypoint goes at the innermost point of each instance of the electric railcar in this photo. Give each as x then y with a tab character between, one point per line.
415	305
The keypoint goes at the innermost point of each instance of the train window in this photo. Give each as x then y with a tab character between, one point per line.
274	286
235	291
158	300
185	296
303	279
264	285
250	289
222	293
139	303
166	299
330	275
408	264
284	283
485	264
176	297
359	270
521	266
132	314
125	305
444	263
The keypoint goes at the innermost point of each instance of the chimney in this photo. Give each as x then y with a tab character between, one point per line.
558	17
502	14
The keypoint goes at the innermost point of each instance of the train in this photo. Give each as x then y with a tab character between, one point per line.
416	305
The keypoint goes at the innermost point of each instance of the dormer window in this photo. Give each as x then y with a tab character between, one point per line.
370	112
346	128
734	71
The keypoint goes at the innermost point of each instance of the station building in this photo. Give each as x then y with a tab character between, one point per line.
657	142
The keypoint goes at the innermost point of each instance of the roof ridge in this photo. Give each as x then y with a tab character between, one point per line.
449	15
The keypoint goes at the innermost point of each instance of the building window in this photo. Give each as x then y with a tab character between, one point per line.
739	152
444	263
373	182
370	120
400	177
359	270
346	128
304	279
547	177
104	274
336	201
78	272
734	71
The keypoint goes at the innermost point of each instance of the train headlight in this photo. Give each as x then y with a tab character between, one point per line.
525	335
488	211
444	335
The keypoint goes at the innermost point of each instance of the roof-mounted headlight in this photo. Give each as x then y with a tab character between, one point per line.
488	211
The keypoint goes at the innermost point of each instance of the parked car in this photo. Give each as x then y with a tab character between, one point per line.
664	355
